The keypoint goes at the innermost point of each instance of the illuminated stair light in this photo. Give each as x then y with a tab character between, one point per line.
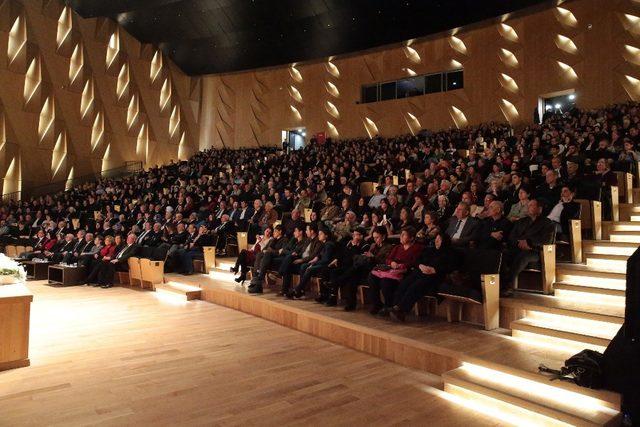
625	236
333	69
296	112
615	263
567	70
508	58
565	17
332	89
295	93
590	295
458	45
459	119
412	54
295	73
332	109
603	249
508	32
521	401
566	44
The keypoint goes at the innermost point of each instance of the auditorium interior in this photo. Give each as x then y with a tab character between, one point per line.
320	212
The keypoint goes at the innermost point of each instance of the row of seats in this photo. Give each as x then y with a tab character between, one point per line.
12	251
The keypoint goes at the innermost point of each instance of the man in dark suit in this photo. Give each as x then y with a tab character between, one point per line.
223	231
462	229
494	229
120	262
194	249
83	241
527	237
63	247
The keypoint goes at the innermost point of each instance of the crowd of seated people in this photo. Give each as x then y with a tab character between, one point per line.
483	187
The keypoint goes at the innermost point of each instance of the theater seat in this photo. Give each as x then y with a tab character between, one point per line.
480	286
152	273
135	273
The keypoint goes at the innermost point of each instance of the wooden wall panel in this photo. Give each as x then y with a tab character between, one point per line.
72	55
599	30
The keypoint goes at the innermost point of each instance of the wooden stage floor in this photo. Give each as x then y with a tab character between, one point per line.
128	357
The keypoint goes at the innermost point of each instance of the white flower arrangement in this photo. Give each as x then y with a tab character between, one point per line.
10	271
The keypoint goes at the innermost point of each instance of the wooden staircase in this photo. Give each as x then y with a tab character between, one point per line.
585	310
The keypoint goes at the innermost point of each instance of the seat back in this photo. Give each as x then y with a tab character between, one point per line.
367	188
243	242
209	253
152	272
20	249
134	268
10	251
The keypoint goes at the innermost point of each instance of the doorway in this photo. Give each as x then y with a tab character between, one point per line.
295	139
556	102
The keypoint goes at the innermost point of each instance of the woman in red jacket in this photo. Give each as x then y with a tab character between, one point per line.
104	255
386	277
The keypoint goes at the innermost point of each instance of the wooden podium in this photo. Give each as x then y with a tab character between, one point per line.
15	306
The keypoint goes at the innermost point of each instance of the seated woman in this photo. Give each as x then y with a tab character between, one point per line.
434	263
386	277
427	234
104	255
247	257
317	266
406	220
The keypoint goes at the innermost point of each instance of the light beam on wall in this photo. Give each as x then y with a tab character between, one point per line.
296	112
87	98
458	45
64	27
17	39
509	110
165	95
46	119
459	119
456	64
97	131
32	80
295	73
113	48
332	89
411	54
76	63
412	123
295	93
508	58
69	183
507	32
59	153
333	69
156	66
508	82
631	54
370	127
333	131
566	44
332	109
410	72
567	70
565	17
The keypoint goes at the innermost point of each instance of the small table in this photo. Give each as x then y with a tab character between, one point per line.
66	275
36	270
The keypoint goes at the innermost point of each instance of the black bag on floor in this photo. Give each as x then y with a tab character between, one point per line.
584	369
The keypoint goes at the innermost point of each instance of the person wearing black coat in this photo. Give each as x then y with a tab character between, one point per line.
194	249
433	264
564	211
318	265
494	229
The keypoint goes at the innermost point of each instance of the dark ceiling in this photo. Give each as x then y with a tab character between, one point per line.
218	36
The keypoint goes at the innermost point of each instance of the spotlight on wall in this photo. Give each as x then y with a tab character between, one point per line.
572	96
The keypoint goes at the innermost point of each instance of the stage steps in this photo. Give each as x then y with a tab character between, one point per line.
188	292
565	323
606	262
580	274
625	236
222	270
519	400
607	247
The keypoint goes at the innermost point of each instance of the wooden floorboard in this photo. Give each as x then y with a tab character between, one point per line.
429	344
127	357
